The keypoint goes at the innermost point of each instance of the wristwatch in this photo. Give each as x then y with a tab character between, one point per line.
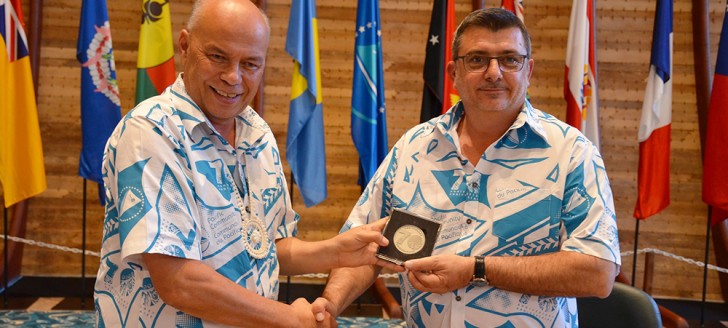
479	279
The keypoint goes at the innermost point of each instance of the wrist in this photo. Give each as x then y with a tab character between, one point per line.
479	275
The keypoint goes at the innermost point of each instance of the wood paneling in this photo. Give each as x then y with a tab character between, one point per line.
623	42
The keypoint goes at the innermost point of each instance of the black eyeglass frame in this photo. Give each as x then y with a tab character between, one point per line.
524	58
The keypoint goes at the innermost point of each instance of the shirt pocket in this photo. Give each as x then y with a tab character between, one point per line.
526	220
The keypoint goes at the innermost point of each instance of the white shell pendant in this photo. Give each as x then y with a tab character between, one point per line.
255	237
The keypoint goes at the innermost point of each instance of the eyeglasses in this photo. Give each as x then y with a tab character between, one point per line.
477	63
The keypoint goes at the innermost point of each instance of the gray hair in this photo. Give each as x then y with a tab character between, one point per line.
494	19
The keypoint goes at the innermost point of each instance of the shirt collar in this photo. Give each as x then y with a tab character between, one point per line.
527	118
192	117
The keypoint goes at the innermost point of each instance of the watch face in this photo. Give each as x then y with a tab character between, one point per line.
479	282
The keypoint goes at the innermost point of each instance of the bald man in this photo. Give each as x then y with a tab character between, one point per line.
198	222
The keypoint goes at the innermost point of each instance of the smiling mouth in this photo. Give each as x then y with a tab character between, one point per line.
226	95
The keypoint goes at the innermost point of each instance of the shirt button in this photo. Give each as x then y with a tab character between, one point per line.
469	221
475	185
247	209
458	298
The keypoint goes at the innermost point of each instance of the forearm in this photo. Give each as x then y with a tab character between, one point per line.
346	284
198	290
557	274
296	256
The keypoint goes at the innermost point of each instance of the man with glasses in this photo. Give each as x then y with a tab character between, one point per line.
525	205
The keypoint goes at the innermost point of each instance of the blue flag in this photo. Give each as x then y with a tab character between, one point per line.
368	116
100	105
305	144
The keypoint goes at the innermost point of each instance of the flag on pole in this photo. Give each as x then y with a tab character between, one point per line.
22	170
715	169
100	104
653	175
439	95
514	6
580	84
155	62
368	115
305	150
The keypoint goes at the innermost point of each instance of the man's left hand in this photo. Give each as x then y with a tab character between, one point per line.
440	273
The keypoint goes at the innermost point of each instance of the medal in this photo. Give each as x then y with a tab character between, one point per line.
255	237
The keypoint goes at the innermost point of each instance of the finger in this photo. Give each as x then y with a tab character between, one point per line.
379	224
416	265
373	236
390	265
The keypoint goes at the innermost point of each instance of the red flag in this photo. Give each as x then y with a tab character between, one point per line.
514	6
580	86
653	176
715	162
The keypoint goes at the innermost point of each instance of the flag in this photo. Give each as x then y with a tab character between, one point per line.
100	105
155	62
715	169
368	116
439	95
580	84
514	6
653	175
305	143
22	170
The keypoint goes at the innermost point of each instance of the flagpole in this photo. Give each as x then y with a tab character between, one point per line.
288	277
634	257
83	247
5	257
701	56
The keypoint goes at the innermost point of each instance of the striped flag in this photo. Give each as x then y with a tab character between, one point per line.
514	6
155	62
305	150
368	116
715	169
580	84
439	95
22	170
653	176
100	104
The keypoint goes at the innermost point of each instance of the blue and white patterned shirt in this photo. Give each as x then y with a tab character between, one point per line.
170	183
541	188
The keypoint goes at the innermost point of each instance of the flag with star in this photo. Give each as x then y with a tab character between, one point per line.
439	95
305	148
368	116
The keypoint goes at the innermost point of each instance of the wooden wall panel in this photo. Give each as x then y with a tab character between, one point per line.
623	43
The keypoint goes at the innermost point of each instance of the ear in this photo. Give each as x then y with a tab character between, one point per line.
530	63
184	42
450	69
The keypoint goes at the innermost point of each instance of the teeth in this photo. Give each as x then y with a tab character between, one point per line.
229	95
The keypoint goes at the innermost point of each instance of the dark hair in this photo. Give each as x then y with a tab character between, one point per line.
494	19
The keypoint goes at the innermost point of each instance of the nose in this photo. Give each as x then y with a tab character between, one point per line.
232	75
493	71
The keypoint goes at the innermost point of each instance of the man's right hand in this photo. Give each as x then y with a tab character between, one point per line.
305	314
324	311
